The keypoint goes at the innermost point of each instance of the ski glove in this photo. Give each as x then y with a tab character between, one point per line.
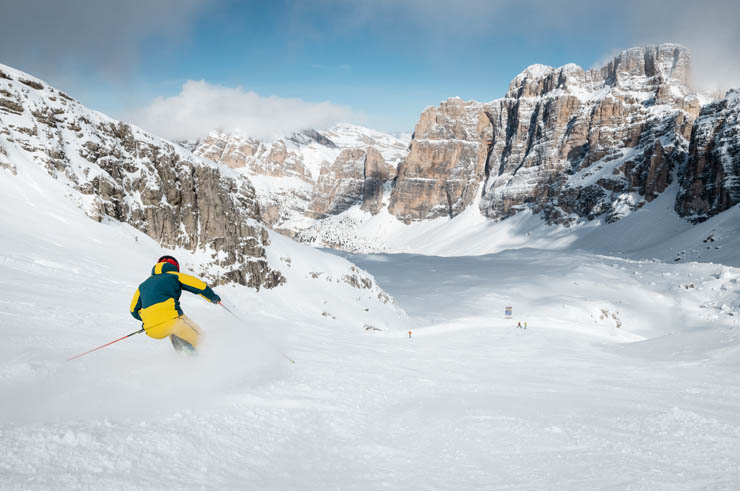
216	298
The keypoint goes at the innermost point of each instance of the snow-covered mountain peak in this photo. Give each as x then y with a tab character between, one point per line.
637	70
536	70
351	136
733	96
312	171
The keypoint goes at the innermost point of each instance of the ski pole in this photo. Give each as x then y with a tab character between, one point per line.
244	322
108	344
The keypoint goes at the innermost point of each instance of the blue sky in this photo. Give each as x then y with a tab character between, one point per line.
378	63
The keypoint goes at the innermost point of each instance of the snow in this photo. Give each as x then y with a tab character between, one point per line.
626	376
534	71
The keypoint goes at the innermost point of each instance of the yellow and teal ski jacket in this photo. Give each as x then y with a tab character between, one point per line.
157	300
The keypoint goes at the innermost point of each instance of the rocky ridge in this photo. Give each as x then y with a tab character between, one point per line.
445	164
568	142
710	182
120	172
311	174
575	143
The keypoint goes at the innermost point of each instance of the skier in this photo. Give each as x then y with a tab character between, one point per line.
156	304
519	325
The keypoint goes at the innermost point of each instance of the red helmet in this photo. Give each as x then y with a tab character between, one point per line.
169	259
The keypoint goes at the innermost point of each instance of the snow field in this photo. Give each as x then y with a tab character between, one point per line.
469	402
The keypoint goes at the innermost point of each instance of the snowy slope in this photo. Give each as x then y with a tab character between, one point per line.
654	231
625	377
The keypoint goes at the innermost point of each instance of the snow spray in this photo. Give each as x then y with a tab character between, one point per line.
244	322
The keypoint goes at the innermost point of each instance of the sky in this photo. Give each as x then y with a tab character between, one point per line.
182	68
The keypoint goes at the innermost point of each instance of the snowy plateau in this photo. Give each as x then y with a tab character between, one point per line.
407	374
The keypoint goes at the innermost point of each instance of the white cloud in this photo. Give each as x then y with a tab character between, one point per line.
201	107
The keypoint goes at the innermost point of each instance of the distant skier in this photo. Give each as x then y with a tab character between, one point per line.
525	324
519	325
156	304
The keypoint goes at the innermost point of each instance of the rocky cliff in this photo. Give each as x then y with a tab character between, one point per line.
119	171
710	183
445	164
564	141
568	143
586	143
310	174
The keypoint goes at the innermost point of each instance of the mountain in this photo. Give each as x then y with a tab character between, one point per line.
119	171
311	174
53	149
577	144
566	144
710	182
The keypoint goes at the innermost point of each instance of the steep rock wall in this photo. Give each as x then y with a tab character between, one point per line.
710	183
123	173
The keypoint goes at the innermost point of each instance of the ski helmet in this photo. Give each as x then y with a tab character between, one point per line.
169	259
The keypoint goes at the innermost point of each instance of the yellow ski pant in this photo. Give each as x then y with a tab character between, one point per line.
182	327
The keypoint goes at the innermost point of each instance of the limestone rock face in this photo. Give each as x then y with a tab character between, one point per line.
710	182
310	173
377	174
232	152
569	141
340	185
445	165
236	151
357	176
121	172
564	141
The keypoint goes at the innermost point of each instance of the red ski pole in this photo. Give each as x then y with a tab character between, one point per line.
108	344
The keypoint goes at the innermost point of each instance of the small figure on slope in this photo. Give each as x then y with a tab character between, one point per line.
519	325
156	304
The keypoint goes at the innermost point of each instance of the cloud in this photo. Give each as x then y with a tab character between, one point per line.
89	38
201	107
710	30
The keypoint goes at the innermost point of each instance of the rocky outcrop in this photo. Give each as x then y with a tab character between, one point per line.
710	182
376	176
357	176
340	185
123	173
586	143
325	170
445	165
567	142
236	151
